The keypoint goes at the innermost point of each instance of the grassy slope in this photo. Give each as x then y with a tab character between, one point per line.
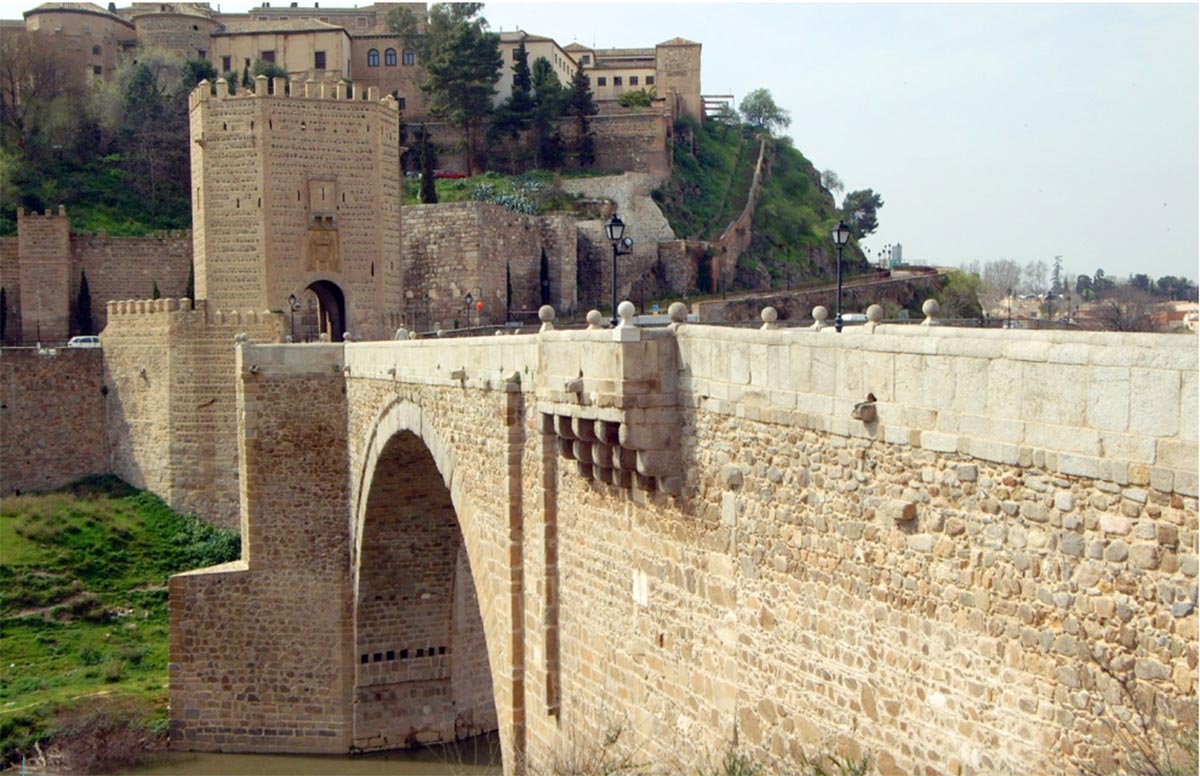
84	608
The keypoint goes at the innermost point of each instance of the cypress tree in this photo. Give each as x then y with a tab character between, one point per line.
83	305
428	159
4	312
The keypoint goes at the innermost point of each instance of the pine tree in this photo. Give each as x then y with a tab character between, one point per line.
580	105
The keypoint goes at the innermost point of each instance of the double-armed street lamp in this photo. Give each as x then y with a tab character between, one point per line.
841	236
470	300
621	245
293	303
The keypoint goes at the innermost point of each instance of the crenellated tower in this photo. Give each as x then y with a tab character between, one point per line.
297	193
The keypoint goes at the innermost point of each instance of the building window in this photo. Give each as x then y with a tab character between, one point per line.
361	21
401	103
601	81
616	80
409	57
97	70
268	56
649	80
373	58
633	80
226	64
389	57
586	59
319	60
96	51
201	54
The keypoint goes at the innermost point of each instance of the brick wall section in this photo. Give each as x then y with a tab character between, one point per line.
455	248
44	245
52	417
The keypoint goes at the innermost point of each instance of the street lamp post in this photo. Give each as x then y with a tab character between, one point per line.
1009	324
294	304
841	235
621	245
470	300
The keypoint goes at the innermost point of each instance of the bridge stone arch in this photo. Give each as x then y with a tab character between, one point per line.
422	673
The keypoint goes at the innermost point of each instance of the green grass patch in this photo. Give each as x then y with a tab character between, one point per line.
83	614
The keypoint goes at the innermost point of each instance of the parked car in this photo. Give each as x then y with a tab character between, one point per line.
448	174
84	341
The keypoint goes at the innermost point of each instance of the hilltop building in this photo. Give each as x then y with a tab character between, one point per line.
332	44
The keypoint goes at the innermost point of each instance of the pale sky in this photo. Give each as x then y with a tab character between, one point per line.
1019	131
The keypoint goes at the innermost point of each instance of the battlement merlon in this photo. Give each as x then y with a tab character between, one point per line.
186	307
283	88
22	214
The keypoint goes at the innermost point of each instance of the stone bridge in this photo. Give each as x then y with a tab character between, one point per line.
661	544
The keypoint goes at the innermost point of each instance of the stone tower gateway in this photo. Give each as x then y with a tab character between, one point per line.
297	192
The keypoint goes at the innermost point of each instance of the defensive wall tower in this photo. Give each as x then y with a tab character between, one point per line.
678	72
297	192
44	245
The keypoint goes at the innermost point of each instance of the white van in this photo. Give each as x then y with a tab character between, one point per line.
84	341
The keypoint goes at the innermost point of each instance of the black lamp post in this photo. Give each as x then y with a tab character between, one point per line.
841	236
470	300
615	230
293	303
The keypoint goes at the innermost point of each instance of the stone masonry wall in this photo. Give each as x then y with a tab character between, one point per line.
10	281
251	675
121	268
172	409
44	246
995	575
52	417
797	305
464	246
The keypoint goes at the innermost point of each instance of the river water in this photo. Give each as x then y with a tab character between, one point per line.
471	757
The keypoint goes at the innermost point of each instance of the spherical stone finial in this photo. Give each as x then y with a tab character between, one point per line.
595	320
626	311
819	316
931	308
546	316
677	312
769	316
499	333
874	316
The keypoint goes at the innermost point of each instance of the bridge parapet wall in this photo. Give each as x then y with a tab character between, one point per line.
1118	408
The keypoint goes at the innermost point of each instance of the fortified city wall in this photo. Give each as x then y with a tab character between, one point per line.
52	417
464	246
172	421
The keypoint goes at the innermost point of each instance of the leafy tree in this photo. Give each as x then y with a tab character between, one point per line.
760	111
197	70
998	279
271	70
580	105
1142	282
1083	287
639	98
1125	308
83	306
831	181
859	210
959	297
462	62
1035	277
231	78
1178	289
1101	284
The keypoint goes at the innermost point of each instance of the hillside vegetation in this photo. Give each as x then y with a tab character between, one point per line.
83	618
